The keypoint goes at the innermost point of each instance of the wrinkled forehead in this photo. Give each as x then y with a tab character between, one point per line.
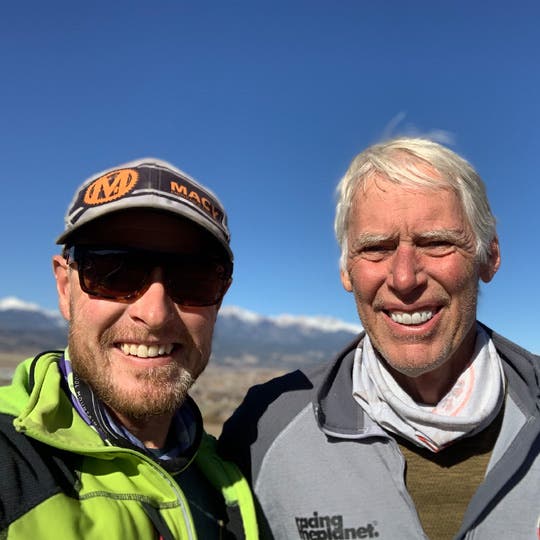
422	178
149	229
381	198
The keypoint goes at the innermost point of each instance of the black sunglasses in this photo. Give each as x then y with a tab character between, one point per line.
125	274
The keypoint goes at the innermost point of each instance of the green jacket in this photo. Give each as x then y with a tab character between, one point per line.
59	479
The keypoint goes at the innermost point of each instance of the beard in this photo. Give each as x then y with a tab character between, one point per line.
159	390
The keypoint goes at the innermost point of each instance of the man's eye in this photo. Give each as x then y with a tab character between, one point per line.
375	252
438	247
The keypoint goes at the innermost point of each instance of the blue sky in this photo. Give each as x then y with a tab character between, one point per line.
267	103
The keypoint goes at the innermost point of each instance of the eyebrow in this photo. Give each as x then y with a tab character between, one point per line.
366	239
440	234
369	239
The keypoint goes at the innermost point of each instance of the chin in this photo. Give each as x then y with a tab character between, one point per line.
147	397
414	365
152	405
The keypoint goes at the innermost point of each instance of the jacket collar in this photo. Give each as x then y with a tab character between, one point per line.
337	412
339	415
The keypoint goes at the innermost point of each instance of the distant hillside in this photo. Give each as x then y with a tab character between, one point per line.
26	328
241	338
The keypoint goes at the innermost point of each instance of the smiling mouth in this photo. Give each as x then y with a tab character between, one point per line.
411	319
146	351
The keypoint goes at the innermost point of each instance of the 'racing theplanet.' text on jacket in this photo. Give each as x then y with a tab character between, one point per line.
321	468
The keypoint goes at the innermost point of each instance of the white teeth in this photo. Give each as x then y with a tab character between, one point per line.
146	351
418	317
165	349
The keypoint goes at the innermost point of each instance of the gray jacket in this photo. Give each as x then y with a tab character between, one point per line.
322	469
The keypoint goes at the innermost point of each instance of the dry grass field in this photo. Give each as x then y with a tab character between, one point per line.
11	359
8	361
218	391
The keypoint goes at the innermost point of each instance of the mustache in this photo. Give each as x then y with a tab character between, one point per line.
172	333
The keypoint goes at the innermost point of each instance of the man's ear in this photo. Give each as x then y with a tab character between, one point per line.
61	275
346	280
490	267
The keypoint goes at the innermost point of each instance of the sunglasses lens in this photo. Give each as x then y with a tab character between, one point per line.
112	274
197	281
190	280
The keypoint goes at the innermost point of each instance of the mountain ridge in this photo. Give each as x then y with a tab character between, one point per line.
241	337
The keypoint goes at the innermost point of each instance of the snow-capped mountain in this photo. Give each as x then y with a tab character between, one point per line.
244	337
26	328
14	311
324	324
241	337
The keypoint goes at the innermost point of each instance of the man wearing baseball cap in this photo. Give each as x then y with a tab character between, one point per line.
102	440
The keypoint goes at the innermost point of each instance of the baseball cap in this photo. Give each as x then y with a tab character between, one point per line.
146	183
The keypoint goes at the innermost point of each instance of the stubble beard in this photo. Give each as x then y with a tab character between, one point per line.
414	367
160	390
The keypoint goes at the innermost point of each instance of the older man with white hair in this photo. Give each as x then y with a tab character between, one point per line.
428	424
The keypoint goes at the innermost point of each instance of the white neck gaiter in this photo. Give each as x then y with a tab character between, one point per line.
470	406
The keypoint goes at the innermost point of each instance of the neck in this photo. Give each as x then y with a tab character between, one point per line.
428	388
151	431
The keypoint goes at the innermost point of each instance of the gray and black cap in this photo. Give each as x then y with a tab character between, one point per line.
146	183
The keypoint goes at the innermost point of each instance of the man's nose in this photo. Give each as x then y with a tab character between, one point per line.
406	272
154	307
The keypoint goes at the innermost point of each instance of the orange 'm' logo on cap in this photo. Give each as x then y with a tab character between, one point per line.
111	186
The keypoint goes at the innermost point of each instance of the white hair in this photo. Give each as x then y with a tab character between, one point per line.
400	161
